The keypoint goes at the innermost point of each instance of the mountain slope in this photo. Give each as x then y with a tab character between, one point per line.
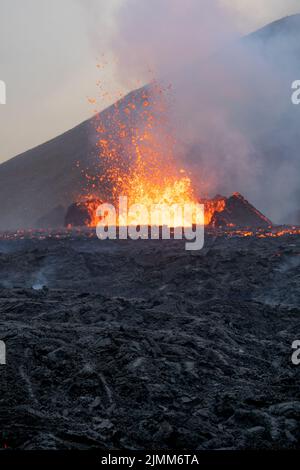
49	177
52	175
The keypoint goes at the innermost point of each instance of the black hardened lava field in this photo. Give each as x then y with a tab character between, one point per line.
141	344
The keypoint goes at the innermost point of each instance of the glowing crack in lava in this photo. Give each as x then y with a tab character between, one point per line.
137	152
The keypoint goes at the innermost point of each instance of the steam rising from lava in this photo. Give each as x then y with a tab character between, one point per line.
231	103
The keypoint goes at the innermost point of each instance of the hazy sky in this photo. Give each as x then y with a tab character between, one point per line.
49	50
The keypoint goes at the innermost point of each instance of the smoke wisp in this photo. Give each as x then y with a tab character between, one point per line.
231	109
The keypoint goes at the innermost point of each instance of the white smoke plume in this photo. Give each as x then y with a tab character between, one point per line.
231	107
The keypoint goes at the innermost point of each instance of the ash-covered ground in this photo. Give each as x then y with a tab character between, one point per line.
141	344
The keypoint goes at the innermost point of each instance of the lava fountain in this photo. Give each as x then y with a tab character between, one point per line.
140	162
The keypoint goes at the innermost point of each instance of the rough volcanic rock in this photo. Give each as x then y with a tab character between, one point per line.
239	212
140	345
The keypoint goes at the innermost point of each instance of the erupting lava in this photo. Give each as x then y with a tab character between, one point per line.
211	207
140	162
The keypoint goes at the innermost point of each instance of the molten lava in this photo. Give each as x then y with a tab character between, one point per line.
140	163
211	206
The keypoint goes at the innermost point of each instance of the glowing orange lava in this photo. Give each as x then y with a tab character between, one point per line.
140	162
